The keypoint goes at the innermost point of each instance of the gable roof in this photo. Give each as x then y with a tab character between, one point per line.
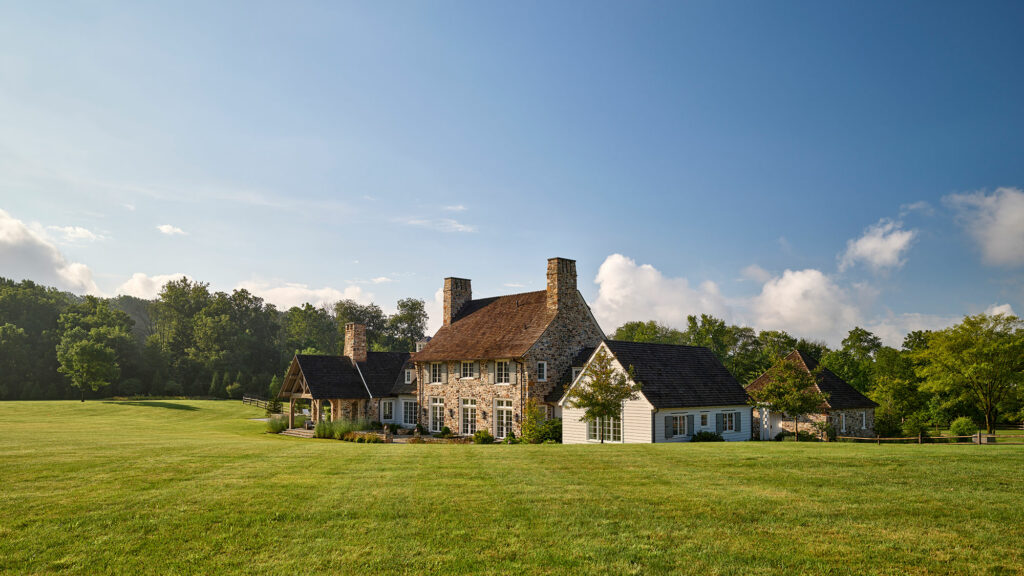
499	327
562	386
674	376
841	396
337	377
331	376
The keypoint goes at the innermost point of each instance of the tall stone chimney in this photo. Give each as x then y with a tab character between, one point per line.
561	282
355	341
457	291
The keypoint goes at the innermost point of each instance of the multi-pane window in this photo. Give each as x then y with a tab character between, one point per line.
436	414
729	422
864	420
408	376
435	372
612	428
501	375
467	370
542	371
409	412
468	416
679	425
704	420
387	410
502	418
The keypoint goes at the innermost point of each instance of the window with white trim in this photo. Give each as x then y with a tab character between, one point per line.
436	373
436	414
408	376
409	412
842	420
612	429
864	420
679	425
502	418
542	371
704	420
468	416
576	373
387	410
501	374
467	370
729	422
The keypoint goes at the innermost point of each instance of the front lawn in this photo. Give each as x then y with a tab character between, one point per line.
195	487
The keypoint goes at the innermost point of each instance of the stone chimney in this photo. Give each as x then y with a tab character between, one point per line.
457	291
561	282
355	341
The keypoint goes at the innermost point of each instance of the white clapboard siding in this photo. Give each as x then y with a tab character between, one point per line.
742	434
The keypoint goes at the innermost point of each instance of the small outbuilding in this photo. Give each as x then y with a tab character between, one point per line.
684	390
850	412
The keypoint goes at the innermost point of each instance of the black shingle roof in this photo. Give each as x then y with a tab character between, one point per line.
673	376
578	361
331	377
381	370
841	396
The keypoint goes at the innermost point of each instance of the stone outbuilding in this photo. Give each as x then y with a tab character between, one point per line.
850	412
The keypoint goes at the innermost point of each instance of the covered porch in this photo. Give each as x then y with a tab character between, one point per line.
322	391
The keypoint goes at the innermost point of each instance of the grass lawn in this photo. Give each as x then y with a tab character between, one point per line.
195	487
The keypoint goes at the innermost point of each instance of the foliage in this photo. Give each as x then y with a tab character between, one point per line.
915	425
551	430
887	423
533	420
445	432
275	386
982	359
421	429
278	424
963	426
790	391
707	436
273	406
510	438
234	391
824	429
602	390
483	437
322	429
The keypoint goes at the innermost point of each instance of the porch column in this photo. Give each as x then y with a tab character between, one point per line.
291	412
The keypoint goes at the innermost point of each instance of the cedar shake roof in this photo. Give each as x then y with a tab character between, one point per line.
841	396
500	327
336	376
562	386
673	376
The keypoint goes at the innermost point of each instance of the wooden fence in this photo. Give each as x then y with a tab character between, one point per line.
979	438
258	402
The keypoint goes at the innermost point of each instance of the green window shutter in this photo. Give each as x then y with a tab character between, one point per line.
689	424
719	422
668	426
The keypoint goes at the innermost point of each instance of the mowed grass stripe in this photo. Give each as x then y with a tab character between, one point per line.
196	487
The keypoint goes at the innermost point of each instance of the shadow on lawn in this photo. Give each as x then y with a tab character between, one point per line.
152	404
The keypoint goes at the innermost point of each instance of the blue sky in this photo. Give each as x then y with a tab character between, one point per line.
799	165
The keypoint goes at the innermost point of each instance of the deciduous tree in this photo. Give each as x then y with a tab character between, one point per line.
603	390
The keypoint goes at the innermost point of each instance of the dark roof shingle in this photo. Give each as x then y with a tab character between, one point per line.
673	376
500	327
331	377
381	371
841	396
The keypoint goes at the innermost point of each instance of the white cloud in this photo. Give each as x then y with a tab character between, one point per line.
26	252
288	294
441	224
435	311
805	303
920	206
381	280
75	233
1000	309
170	230
455	208
514	285
894	327
882	246
996	222
756	273
147	287
629	292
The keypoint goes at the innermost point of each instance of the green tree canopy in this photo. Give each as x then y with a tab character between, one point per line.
791	391
603	390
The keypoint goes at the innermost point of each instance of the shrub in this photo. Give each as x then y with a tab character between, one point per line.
887	424
510	439
483	437
277	424
826	429
421	430
805	436
963	426
172	388
323	430
234	391
707	436
376	425
551	429
273	406
915	425
533	421
445	432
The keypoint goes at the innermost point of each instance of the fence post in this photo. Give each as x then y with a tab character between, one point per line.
919	438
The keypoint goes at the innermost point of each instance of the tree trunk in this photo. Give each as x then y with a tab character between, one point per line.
990	425
796	428
83	394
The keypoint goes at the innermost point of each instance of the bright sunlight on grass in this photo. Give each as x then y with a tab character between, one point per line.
197	487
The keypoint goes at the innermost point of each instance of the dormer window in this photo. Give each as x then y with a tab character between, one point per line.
408	376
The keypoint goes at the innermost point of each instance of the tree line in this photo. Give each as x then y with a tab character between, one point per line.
973	369
188	341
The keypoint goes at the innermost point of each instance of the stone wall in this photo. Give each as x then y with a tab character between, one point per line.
481	389
853	422
573	329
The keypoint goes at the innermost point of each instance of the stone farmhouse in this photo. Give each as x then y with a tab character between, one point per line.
684	390
493	355
850	412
